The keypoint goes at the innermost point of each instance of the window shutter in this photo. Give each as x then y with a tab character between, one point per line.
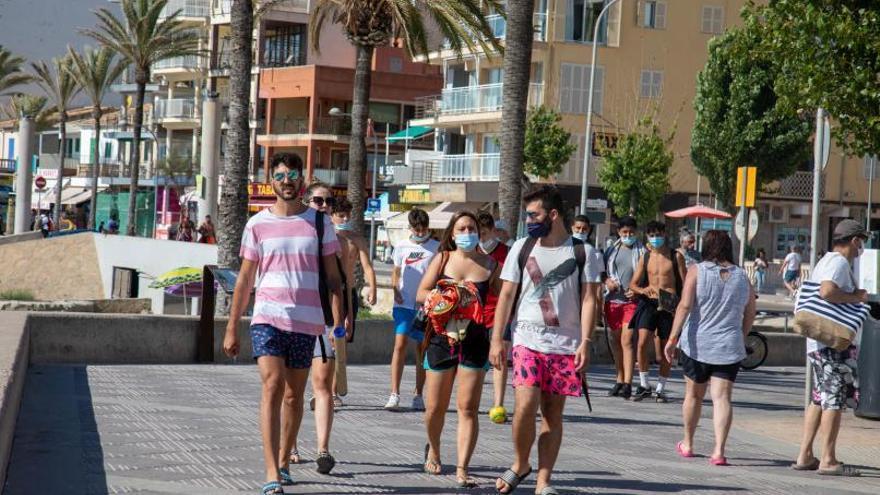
565	89
613	26
657	84
598	89
719	20
645	84
640	14
660	15
708	17
577	86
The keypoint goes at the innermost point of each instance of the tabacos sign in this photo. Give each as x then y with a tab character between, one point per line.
260	189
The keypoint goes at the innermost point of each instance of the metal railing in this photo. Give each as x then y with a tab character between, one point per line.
221	7
474	167
188	62
499	27
176	108
473	99
331	176
7	165
187	8
290	125
800	185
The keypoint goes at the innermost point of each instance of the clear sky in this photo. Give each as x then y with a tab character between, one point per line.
42	29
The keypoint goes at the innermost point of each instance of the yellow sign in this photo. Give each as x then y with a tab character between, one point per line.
260	189
746	177
415	196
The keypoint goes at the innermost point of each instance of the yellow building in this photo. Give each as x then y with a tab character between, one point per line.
649	55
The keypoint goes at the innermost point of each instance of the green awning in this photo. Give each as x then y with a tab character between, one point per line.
410	133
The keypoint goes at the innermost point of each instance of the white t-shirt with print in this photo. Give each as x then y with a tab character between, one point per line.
412	259
834	267
792	262
548	317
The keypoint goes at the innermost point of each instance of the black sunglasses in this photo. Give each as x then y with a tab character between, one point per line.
319	201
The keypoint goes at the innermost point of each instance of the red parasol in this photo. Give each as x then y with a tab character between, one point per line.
697	211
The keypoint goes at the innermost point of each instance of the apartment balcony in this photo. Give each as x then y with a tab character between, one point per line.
469	104
800	185
478	167
179	68
7	165
328	128
190	10
499	26
177	113
330	176
221	9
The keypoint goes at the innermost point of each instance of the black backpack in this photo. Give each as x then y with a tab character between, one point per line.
323	291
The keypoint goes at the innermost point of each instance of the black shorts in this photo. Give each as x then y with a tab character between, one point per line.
647	316
700	372
472	352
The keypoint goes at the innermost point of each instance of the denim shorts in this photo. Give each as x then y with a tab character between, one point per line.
295	348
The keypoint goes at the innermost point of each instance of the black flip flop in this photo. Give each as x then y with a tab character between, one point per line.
512	479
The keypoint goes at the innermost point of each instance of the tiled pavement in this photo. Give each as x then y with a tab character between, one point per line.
193	429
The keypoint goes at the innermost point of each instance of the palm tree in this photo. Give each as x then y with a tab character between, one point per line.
143	37
517	65
369	24
10	71
234	196
95	70
32	106
61	88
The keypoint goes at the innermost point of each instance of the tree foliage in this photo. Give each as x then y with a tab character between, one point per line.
635	173
547	147
11	74
828	54
738	119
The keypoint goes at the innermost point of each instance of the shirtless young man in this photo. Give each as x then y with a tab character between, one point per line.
652	323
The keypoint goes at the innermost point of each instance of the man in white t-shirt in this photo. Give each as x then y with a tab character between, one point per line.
833	372
552	326
791	270
411	259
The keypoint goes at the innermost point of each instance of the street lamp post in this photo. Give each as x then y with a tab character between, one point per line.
588	135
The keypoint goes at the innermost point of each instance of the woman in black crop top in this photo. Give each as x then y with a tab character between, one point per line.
465	361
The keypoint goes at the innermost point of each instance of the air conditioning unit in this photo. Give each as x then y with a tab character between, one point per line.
778	214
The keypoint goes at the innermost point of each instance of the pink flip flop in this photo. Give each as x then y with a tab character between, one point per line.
680	449
718	461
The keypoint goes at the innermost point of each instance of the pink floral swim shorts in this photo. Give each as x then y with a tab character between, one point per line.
552	373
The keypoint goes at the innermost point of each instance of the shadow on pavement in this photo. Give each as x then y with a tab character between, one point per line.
57	447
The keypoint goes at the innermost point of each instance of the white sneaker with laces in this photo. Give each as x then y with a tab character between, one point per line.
418	404
393	403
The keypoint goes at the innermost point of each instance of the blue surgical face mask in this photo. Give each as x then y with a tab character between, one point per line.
628	241
656	242
467	242
581	236
418	239
344	226
488	246
538	229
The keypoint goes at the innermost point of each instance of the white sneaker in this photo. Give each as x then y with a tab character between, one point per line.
393	403
418	404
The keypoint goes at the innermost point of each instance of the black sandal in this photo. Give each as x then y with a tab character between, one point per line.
512	480
325	462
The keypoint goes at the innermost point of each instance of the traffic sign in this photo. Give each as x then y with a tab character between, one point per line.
373	204
746	177
597	204
753	225
826	142
40	182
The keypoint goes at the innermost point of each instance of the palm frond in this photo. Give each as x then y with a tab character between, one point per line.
58	84
11	74
95	70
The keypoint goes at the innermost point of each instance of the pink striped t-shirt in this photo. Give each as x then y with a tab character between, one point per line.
286	251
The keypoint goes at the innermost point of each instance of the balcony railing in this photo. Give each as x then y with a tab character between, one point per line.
188	62
800	185
475	167
176	108
474	99
187	8
221	7
7	165
224	7
499	27
333	177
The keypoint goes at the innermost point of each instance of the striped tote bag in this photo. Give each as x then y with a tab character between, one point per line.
834	325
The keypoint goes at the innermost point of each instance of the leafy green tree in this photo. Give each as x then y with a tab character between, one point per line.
547	147
635	173
738	119
829	54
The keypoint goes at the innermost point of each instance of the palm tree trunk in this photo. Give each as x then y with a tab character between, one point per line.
234	197
517	69
93	205
357	151
134	164
62	124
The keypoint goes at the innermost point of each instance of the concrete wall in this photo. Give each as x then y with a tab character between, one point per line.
151	258
13	369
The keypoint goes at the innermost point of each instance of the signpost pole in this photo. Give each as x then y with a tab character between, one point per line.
818	154
744	214
872	162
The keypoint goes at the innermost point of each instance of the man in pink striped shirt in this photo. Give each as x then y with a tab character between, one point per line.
279	254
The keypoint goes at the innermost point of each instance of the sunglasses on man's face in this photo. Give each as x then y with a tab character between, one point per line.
319	201
291	176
